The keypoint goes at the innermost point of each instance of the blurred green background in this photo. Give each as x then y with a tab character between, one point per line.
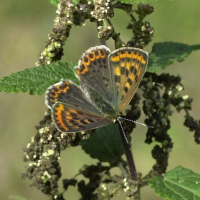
25	25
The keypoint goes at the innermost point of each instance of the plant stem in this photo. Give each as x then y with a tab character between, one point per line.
129	155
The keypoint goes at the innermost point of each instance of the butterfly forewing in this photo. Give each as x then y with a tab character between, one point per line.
128	66
94	72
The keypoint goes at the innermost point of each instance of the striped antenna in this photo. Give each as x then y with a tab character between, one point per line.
135	122
120	123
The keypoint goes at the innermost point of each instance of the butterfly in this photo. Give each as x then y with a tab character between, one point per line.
108	81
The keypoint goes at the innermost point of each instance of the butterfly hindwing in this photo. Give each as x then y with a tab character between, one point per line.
71	110
70	119
128	66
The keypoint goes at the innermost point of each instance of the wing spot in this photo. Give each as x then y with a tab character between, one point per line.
90	120
102	52
122	70
129	51
126	89
86	59
73	114
135	72
83	121
117	79
74	123
132	68
130	81
91	55
96	53
53	93
127	72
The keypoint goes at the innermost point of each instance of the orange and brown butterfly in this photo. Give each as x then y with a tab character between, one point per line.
108	81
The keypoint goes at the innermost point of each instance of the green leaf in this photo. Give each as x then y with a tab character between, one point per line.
36	80
178	184
165	53
105	144
135	1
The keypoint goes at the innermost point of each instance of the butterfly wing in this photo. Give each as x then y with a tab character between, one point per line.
127	66
69	93
94	73
71	110
70	119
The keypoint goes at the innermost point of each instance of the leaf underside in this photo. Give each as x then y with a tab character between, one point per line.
105	145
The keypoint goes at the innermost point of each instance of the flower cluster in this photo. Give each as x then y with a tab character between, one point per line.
43	153
102	10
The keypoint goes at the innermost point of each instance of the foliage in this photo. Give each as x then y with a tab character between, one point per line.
37	79
179	183
165	53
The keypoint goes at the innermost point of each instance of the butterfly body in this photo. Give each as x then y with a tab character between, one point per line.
108	81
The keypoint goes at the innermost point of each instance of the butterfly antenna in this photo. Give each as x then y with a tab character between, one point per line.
120	123
136	122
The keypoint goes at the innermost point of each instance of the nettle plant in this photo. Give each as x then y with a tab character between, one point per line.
159	95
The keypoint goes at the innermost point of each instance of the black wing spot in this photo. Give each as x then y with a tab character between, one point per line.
83	121
86	59
90	120
102	52
126	89
96	53
132	68
122	70
117	79
82	68
91	55
74	123
135	71
130	81
127	72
